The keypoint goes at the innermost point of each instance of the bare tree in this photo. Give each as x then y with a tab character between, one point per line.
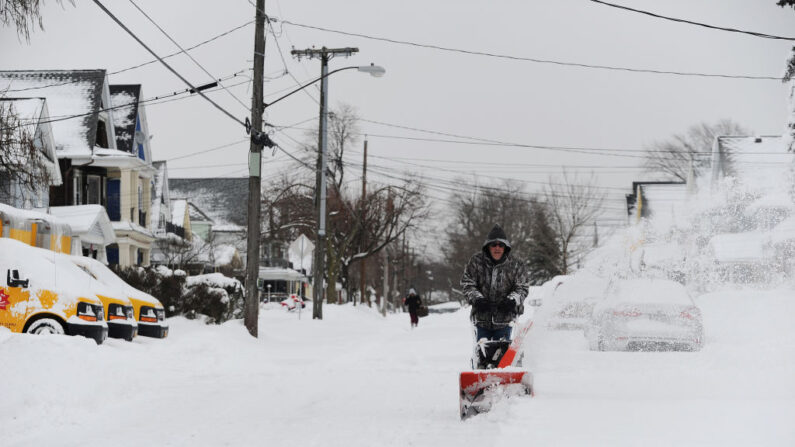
674	156
476	210
25	15
359	231
343	132
24	167
288	208
179	253
572	206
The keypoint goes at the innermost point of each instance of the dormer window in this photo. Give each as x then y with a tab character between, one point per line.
102	134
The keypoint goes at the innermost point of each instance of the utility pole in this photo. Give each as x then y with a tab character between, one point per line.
363	265
324	54
251	311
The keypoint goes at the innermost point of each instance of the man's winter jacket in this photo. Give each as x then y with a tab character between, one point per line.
495	289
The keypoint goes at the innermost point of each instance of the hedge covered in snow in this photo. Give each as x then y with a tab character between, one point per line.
214	297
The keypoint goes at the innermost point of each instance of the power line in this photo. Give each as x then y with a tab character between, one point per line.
455	186
602	151
187	54
160	98
165	64
193	154
145	63
528	59
690	22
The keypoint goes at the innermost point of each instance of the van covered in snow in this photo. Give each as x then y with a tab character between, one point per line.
119	312
148	310
40	294
35	229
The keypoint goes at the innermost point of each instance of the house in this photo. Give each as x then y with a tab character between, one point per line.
663	200
130	179
197	252
201	225
91	228
102	145
221	203
79	98
168	234
759	160
34	119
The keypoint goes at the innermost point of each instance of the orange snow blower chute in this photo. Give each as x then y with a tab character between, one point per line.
479	388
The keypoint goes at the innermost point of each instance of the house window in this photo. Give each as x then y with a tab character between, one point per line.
77	189
94	190
102	134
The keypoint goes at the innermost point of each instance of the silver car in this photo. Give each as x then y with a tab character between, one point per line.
645	315
571	301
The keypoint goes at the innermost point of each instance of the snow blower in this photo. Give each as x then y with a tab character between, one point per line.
501	374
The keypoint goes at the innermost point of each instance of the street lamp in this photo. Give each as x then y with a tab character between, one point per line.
376	71
262	138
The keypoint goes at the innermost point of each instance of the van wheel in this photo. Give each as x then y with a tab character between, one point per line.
46	326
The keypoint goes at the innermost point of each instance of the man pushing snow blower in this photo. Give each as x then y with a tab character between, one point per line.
495	285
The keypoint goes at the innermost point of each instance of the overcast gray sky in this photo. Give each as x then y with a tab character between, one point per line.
510	100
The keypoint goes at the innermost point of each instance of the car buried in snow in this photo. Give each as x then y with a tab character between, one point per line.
645	315
147	310
570	299
40	295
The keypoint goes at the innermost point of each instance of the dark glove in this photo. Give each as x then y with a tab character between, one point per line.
508	306
480	304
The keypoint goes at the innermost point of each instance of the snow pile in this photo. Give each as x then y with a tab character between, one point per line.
214	280
361	378
215	297
737	231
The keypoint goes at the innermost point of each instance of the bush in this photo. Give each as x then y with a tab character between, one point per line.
218	297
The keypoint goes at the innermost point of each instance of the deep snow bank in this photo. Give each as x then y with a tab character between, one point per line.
358	379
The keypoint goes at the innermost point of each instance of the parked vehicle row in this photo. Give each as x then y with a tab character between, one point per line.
48	292
633	314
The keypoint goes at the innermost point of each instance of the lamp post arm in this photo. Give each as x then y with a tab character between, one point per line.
308	84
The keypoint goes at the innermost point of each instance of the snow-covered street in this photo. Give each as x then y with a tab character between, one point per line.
355	378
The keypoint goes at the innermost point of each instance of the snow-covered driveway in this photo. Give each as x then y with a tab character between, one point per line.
355	379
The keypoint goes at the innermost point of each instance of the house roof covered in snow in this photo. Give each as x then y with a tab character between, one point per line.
278	273
90	222
761	160
197	215
33	113
124	99
224	200
76	94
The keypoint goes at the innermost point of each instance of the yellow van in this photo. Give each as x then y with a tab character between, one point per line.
120	317
148	310
119	313
39	295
